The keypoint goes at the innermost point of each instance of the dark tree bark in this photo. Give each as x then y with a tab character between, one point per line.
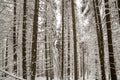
99	38
118	2
24	40
14	40
83	50
110	44
46	44
68	70
96	73
46	51
46	56
6	57
62	57
34	41
2	60
74	41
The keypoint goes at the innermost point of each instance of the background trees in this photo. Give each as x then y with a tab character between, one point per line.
59	40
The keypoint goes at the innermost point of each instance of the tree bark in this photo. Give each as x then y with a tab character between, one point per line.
118	2
24	40
83	51
62	57
46	51
6	57
46	43
110	44
34	41
68	70
74	40
14	40
99	38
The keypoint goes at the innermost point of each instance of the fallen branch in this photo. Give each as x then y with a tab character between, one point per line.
11	75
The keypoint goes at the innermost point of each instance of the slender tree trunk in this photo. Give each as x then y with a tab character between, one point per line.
83	61
62	57
46	52
34	41
81	67
110	44
46	43
118	2
14	40
3	59
24	40
96	73
6	57
74	41
99	38
51	62
68	70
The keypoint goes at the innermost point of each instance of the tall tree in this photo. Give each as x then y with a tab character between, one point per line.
46	44
34	40
2	59
62	57
110	44
83	55
6	56
24	39
118	2
99	38
68	70
74	40
46	51
14	40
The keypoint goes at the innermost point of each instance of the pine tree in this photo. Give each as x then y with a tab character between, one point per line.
6	56
62	57
110	44
99	38
74	40
34	40
46	45
118	2
68	70
24	39
14	40
46	52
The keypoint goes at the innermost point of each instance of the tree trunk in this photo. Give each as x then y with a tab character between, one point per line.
68	70
34	41
2	54
96	73
99	38
74	40
24	40
83	51
14	40
62	57
51	59
110	44
46	44
46	52
118	2
6	57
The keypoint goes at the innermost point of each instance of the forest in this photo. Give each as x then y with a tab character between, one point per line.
59	39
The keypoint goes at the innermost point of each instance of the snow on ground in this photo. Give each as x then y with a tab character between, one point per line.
43	78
